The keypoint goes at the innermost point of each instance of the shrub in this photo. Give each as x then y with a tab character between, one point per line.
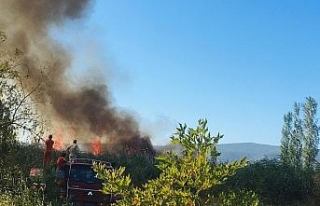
275	183
239	198
184	179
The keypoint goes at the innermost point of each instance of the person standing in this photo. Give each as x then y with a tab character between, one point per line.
61	165
61	172
73	150
48	150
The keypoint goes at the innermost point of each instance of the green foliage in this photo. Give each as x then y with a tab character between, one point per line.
51	189
7	134
286	137
16	109
14	173
239	198
14	188
295	143
311	136
300	141
185	179
275	183
17	118
140	166
115	181
26	198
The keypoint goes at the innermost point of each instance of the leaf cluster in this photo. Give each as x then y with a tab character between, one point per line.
185	179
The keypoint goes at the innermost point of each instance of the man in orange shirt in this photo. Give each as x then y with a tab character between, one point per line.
61	170
48	150
61	164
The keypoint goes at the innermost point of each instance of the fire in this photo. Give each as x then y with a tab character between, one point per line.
61	135
58	141
96	146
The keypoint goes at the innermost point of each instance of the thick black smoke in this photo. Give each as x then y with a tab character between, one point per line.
87	110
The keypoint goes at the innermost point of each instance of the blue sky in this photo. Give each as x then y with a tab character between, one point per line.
239	64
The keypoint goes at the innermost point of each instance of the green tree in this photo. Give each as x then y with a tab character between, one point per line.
299	143
7	134
16	102
295	146
185	179
311	133
17	118
286	137
274	182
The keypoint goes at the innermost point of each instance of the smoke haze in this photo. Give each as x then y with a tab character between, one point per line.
84	113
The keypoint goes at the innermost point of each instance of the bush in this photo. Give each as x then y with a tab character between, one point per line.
22	196
239	198
275	183
14	173
184	179
140	166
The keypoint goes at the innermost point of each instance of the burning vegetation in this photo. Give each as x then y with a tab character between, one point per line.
87	109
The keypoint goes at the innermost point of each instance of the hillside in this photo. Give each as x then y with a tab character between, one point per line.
234	151
251	151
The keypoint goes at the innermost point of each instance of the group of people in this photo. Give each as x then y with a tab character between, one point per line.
73	150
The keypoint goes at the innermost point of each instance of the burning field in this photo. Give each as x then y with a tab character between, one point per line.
84	113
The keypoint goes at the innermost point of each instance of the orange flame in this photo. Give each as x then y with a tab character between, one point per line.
96	146
58	141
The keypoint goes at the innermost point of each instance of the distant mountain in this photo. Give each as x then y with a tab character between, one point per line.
235	151
251	151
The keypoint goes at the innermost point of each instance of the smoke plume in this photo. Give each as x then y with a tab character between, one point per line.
85	111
